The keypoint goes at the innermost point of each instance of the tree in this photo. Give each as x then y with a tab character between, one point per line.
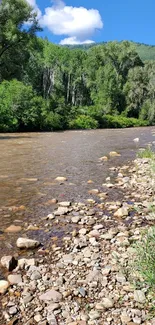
18	24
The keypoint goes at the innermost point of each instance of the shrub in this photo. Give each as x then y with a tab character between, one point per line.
52	121
119	121
83	122
20	108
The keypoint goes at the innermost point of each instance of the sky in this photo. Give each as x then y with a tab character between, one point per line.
87	21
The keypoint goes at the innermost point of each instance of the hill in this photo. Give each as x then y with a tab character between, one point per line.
146	52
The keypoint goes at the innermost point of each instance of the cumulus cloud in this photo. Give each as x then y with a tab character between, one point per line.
77	23
36	8
74	41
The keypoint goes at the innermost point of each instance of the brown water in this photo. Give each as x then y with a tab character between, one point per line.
30	162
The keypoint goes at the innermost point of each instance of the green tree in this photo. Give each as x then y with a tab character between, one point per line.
18	24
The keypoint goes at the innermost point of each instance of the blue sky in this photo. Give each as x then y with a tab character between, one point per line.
74	21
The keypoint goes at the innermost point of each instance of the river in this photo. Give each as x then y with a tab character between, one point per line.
30	162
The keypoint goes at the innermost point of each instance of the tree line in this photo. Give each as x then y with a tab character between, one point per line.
47	87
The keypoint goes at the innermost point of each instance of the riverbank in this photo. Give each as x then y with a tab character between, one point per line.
88	279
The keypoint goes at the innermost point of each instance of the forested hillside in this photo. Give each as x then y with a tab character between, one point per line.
48	87
146	52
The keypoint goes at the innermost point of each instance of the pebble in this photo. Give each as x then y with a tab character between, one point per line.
27	243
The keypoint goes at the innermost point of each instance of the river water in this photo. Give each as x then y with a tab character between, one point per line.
30	162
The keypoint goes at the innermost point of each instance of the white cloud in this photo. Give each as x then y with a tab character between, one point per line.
74	41
36	8
78	23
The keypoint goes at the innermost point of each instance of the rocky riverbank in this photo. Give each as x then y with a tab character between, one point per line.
88	279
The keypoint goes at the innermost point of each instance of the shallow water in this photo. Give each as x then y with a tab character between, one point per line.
30	162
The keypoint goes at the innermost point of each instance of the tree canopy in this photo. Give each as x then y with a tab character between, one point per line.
44	86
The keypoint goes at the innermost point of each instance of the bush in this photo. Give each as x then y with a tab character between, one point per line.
119	121
20	108
52	121
83	122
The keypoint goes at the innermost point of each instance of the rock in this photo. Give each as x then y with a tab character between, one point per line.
139	296
61	211
51	295
120	278
52	307
122	212
37	318
83	231
13	229
94	233
93	276
50	216
33	228
9	262
104	158
93	191
27	243
27	298
107	303
87	252
61	179
14	278
68	258
98	227
82	292
13	310
76	219
125	319
94	314
26	262
51	319
4	285
65	204
35	275
114	154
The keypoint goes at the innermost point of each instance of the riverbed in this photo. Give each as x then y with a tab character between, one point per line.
30	162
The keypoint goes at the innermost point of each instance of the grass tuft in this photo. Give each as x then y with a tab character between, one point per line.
146	153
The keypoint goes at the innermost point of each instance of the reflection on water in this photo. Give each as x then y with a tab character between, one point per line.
30	162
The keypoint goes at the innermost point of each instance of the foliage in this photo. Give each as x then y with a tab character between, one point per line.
20	108
83	122
121	122
144	261
18	24
146	153
49	87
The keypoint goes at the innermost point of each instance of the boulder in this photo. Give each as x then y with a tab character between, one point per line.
9	262
27	243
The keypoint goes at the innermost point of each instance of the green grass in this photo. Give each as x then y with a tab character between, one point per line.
146	153
144	262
